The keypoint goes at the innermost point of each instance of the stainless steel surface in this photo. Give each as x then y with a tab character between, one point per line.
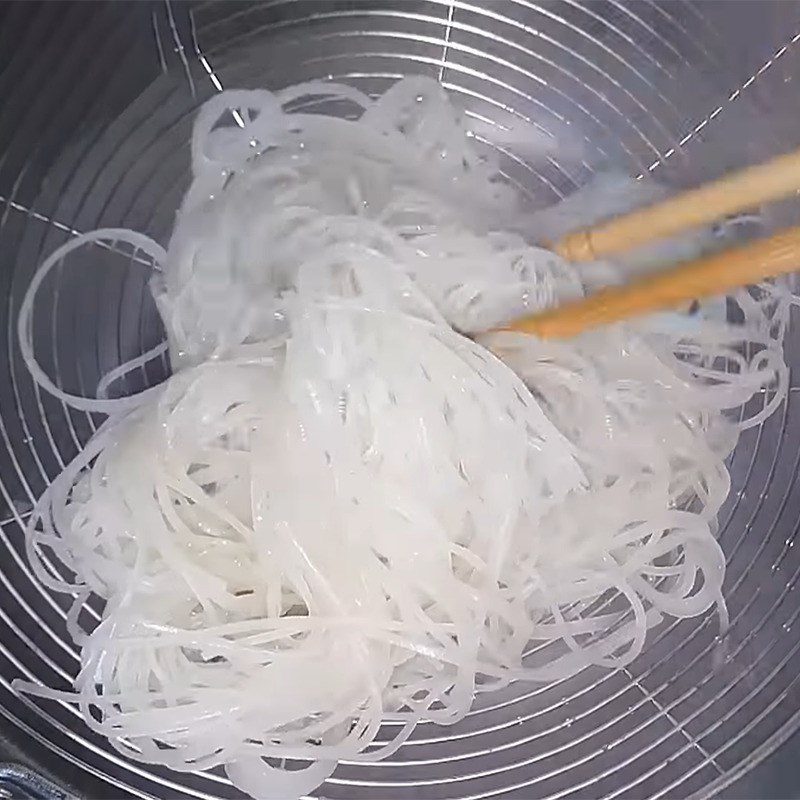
95	109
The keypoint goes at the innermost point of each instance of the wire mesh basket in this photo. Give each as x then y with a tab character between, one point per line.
97	104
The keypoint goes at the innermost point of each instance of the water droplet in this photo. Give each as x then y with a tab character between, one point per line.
254	143
419	98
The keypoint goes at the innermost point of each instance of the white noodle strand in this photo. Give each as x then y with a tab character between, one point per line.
339	512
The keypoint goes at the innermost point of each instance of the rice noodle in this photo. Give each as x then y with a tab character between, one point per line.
112	376
340	512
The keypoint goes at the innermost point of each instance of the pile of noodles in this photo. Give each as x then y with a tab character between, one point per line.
339	511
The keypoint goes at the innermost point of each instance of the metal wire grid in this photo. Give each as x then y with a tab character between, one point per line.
607	78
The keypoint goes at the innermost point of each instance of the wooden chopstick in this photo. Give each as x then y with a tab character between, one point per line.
704	277
737	192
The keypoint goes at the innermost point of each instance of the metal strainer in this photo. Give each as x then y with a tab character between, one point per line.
96	104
